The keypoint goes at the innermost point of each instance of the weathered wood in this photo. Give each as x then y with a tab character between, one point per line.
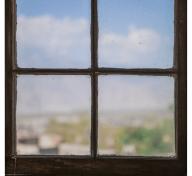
101	167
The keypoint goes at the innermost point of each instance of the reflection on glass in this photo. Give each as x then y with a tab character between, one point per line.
53	115
48	33
136	115
136	33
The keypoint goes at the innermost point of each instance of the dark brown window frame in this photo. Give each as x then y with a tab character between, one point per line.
94	164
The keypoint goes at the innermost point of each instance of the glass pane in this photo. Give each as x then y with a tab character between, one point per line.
136	115
53	33
53	115
136	33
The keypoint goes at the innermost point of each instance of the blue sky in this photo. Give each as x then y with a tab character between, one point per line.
156	14
151	19
153	13
57	8
120	17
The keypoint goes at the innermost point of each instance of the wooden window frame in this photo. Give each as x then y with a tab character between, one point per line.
95	165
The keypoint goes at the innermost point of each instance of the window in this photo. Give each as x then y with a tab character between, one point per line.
115	113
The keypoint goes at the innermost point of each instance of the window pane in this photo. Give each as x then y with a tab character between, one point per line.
53	115
136	33
53	33
136	115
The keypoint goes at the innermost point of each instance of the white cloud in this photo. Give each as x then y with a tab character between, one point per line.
137	46
46	40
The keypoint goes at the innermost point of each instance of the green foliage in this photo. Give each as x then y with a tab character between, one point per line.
148	141
76	132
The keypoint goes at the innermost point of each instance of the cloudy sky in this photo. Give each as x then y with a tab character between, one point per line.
56	34
136	33
132	33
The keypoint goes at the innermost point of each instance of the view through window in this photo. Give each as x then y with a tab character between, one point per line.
97	104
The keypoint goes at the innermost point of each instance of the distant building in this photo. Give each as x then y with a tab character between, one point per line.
27	149
74	149
107	151
49	151
28	140
27	137
129	150
48	144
